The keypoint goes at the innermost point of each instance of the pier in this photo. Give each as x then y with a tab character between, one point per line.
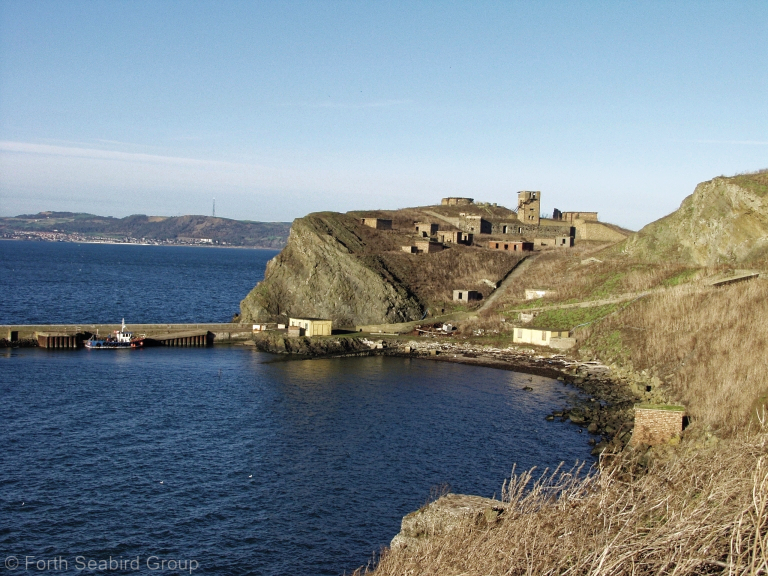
72	336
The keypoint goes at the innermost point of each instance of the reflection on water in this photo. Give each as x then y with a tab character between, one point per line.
266	467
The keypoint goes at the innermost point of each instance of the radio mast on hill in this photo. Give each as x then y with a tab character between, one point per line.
213	214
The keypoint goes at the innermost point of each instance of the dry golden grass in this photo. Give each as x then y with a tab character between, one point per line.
433	277
563	272
709	345
701	511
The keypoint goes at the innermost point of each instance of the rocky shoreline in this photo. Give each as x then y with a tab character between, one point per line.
610	392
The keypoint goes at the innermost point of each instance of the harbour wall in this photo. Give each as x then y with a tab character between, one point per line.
222	333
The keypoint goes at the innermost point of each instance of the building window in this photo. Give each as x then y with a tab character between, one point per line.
504	230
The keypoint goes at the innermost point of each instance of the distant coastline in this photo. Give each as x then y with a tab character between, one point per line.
140	229
74	239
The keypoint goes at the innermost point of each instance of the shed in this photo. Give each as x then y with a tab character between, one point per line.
553	338
455	237
312	326
466	295
563	241
427	246
377	223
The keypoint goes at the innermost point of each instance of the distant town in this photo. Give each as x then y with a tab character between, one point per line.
56	236
141	229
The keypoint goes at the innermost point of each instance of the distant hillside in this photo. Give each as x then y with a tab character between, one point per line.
139	226
725	220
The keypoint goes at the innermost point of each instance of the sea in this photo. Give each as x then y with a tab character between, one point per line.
226	460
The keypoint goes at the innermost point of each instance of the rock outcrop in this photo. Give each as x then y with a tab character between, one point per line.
328	270
444	515
315	347
725	220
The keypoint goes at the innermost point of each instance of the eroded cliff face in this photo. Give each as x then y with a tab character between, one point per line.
327	270
725	220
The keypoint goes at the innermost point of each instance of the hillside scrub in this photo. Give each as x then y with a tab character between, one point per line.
702	509
708	345
723	222
433	277
571	281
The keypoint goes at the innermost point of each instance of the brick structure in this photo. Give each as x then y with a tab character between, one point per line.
657	424
511	246
545	229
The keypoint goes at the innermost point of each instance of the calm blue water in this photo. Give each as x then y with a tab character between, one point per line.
64	283
243	462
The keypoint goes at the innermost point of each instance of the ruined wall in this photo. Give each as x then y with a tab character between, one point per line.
573	216
656	426
454	201
474	224
516	228
588	230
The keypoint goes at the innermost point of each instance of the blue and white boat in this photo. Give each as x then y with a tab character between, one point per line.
119	339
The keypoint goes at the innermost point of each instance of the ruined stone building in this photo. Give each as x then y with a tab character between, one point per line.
454	201
573	216
474	224
529	207
428	246
377	223
455	237
510	246
426	229
466	295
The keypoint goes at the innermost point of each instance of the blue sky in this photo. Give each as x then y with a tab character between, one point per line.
277	109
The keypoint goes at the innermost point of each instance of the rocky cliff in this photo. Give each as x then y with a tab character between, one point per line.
330	269
725	220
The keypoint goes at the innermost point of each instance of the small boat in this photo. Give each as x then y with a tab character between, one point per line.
119	339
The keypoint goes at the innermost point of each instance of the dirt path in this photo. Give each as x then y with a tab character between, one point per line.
519	269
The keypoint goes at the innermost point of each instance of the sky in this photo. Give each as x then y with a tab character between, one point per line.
277	109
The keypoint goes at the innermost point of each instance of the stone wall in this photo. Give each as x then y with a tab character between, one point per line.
517	228
656	425
597	231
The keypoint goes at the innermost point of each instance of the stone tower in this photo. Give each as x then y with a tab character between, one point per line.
529	207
